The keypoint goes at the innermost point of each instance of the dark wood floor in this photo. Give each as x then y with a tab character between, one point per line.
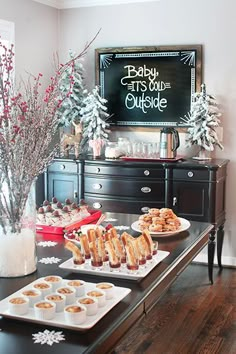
192	317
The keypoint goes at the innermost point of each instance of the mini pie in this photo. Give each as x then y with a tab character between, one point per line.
17	300
86	301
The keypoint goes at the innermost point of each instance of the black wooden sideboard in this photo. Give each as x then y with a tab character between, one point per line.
194	189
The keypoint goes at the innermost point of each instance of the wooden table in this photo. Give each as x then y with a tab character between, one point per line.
16	336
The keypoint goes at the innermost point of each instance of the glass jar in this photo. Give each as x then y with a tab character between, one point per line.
112	151
123	144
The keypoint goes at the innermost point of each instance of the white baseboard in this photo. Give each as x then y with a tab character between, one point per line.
226	261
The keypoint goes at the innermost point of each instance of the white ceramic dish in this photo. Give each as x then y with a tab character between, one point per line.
59	319
123	273
185	224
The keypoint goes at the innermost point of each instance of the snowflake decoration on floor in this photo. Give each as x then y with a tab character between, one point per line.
110	220
47	243
48	337
49	260
122	227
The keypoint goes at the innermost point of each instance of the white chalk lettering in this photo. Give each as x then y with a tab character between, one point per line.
141	71
145	102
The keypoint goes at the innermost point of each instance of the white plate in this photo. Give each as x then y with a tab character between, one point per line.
59	319
185	224
123	273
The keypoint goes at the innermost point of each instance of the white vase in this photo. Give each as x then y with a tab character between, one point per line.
18	249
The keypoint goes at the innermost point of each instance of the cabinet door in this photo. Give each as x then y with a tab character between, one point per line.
191	200
62	186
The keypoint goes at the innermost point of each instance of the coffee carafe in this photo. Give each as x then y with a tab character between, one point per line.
169	143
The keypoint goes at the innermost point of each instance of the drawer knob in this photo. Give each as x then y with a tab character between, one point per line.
146	189
190	174
98	170
146	173
174	201
97	205
97	186
145	209
62	167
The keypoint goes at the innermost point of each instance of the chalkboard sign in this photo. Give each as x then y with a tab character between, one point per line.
149	86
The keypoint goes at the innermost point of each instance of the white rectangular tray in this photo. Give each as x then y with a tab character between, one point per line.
59	319
123	273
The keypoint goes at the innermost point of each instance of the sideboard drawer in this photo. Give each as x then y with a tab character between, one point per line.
121	205
144	172
61	166
191	174
125	187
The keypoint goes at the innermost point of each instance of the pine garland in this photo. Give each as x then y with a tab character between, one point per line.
204	118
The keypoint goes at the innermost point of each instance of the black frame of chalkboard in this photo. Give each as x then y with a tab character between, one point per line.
188	55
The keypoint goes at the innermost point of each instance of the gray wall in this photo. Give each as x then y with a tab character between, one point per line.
36	35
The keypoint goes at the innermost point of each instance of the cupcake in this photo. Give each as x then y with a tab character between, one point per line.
44	287
18	305
99	295
68	292
90	303
78	285
44	310
58	299
75	314
108	288
34	295
54	280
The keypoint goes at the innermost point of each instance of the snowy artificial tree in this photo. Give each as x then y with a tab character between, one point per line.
94	121
73	82
204	119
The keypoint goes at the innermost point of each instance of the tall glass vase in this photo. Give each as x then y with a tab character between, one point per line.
18	244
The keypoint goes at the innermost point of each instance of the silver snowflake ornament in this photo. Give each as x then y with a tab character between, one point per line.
47	243
48	337
49	260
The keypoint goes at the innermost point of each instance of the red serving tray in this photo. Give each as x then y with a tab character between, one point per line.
59	230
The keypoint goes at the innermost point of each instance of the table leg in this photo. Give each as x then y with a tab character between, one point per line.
211	254
220	239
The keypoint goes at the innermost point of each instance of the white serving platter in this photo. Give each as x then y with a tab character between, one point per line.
122	273
59	319
185	224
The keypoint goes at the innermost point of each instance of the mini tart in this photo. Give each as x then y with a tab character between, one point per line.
99	295
75	313
54	280
69	293
90	303
108	288
44	310
44	287
58	299
78	285
33	295
18	305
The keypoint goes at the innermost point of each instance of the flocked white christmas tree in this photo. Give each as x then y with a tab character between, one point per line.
94	118
204	119
73	82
